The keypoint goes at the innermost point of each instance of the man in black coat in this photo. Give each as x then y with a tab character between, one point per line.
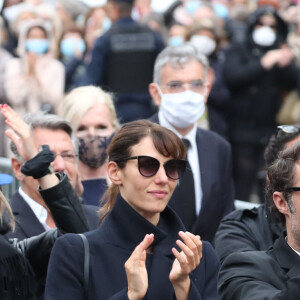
205	193
272	274
255	229
32	215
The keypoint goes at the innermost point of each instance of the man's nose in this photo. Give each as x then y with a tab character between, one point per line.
58	164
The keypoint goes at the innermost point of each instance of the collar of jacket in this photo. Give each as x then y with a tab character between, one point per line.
286	256
126	228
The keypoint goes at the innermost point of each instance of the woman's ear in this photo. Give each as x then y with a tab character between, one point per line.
113	173
281	203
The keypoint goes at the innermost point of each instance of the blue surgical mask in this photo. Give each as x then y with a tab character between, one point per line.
192	6
38	46
176	40
68	46
221	10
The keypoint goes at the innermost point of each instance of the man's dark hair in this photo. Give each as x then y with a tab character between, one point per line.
281	177
125	7
277	143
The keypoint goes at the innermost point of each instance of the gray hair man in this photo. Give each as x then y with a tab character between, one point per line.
180	87
32	214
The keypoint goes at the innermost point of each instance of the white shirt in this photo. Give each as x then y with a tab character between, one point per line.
39	210
192	156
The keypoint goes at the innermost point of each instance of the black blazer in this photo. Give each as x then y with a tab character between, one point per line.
215	161
110	247
27	224
274	274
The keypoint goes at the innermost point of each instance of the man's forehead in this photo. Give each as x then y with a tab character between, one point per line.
56	139
175	71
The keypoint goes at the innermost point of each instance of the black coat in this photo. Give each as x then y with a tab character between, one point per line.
28	225
246	230
274	274
256	93
23	264
110	247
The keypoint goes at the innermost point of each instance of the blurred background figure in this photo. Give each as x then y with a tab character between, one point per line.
91	112
73	49
208	37
257	72
5	56
96	23
122	62
35	80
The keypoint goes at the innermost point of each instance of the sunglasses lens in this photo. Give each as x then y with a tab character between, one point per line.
148	166
175	168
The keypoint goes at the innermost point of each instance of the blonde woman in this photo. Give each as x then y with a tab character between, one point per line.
92	114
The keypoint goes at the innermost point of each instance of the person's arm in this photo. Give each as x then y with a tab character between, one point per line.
255	275
58	194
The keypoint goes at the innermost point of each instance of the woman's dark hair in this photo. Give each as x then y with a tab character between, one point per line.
165	141
281	176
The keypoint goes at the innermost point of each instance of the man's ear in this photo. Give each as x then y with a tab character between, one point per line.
16	167
113	173
281	203
153	90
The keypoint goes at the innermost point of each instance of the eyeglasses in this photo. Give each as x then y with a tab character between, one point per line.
293	189
148	166
179	86
67	157
287	129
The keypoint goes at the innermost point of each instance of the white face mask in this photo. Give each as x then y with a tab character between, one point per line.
182	109
264	36
203	44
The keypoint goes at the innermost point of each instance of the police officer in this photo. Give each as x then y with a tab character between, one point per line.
122	62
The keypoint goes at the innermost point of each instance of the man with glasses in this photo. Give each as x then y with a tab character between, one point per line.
180	88
275	273
32	215
255	229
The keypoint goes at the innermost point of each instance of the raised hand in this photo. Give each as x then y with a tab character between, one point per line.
136	271
185	262
19	132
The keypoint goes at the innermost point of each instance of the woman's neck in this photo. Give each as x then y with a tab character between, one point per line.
88	173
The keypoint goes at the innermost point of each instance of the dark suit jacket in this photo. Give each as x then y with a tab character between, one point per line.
27	224
274	274
110	247
214	155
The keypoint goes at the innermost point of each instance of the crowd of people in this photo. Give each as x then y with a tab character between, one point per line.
164	117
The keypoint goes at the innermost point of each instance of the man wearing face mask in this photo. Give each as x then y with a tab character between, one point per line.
257	72
180	88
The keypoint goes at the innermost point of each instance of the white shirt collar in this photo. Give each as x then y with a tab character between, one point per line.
40	211
191	136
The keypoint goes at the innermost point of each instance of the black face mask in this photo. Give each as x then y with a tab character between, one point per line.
92	150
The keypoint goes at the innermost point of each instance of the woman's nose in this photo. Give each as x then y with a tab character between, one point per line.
161	176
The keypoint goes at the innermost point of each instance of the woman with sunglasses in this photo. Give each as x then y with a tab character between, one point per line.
141	249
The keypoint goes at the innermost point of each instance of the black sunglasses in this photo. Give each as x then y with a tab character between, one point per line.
148	166
293	189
